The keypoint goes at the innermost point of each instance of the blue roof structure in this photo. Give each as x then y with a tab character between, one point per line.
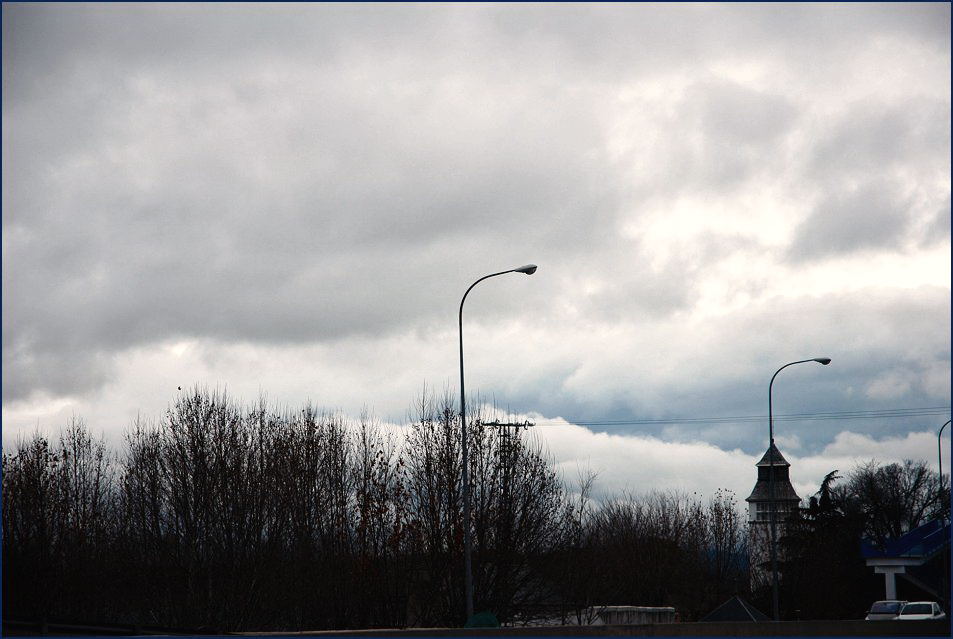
920	543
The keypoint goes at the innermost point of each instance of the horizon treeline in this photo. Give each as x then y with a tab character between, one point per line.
223	517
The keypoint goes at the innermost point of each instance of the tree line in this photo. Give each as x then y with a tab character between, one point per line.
226	517
825	575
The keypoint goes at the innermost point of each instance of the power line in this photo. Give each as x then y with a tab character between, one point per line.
888	413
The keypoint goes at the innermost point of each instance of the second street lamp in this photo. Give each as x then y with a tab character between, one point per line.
939	453
529	269
939	460
772	510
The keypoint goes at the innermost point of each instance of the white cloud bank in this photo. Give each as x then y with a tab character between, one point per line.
643	463
626	463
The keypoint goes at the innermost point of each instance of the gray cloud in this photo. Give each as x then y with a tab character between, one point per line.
937	229
318	173
281	203
882	138
873	216
741	127
873	170
875	337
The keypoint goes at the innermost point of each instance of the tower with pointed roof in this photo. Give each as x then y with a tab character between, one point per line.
759	512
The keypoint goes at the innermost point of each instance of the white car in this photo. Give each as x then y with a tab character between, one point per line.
919	610
884	610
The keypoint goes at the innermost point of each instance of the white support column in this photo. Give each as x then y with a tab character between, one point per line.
890	579
890	582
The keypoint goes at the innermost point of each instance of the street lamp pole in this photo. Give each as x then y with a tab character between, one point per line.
939	459
773	506
529	269
939	453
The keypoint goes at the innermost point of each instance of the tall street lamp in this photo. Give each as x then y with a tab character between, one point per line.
529	269
939	459
939	453
773	509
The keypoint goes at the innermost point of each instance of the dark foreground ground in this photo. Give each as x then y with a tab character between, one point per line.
713	629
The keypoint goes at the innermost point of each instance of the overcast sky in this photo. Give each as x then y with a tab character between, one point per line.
291	200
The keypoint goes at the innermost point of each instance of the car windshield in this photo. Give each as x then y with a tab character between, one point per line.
917	609
885	607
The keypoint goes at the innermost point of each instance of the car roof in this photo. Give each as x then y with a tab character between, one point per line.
920	602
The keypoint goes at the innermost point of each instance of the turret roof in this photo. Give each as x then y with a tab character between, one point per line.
773	457
783	491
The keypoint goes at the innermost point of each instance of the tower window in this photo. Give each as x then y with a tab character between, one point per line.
763	510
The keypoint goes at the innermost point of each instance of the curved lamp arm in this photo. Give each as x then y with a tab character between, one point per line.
820	360
528	269
939	451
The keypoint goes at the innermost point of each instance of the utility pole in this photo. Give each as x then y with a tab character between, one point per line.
504	542
505	428
505	435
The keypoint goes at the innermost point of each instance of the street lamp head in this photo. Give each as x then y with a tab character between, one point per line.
529	269
823	360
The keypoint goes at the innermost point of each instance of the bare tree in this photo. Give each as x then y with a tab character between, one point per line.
517	503
222	517
895	498
518	508
382	528
666	548
434	465
571	568
724	548
58	521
